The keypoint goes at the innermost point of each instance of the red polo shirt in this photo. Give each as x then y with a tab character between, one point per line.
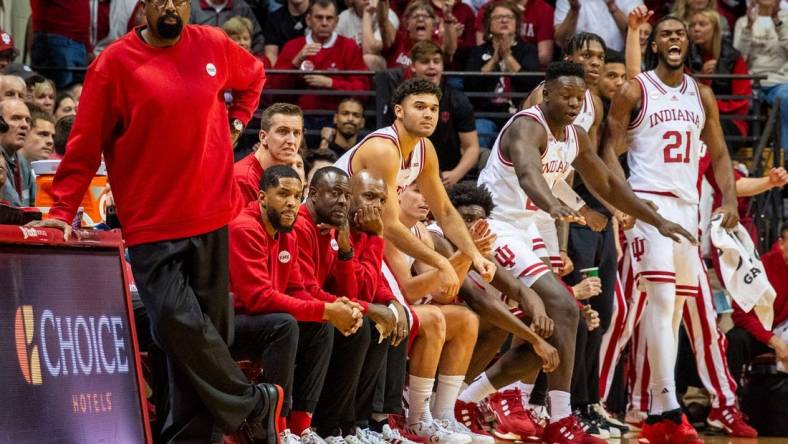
265	273
247	173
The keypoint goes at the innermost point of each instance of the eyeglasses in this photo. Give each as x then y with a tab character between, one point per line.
502	18
163	3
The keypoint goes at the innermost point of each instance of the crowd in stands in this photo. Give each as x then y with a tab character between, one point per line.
348	380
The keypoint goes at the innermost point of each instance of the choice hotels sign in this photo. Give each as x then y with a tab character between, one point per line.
67	354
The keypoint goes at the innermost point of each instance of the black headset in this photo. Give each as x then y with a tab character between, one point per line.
3	125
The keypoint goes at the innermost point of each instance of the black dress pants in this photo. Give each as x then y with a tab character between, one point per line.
183	285
285	348
336	410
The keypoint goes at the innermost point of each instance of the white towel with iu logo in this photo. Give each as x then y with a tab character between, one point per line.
742	271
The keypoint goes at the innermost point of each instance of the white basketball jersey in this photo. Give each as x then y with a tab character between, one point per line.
410	168
665	146
499	177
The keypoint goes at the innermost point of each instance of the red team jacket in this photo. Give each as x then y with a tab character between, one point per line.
265	273
319	261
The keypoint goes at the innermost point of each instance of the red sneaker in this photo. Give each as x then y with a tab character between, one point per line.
653	433
680	433
397	423
513	422
732	421
565	431
468	414
539	424
568	431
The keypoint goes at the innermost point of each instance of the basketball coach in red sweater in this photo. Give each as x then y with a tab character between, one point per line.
153	106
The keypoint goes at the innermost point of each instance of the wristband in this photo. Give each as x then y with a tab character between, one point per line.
394	310
346	255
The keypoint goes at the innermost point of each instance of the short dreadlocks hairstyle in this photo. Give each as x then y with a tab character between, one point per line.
581	40
468	193
413	87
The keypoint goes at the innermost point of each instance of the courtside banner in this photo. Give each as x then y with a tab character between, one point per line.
69	363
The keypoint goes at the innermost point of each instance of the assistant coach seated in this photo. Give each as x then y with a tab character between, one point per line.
274	311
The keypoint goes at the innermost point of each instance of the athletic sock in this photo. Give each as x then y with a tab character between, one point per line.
299	421
419	393
480	388
446	395
525	391
663	397
560	406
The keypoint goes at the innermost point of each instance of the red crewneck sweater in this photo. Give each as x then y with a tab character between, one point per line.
158	117
265	273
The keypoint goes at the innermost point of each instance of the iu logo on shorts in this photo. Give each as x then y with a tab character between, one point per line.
504	256
638	248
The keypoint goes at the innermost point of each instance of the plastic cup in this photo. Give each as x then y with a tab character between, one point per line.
590	272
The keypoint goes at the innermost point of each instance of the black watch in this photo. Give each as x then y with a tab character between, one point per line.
346	256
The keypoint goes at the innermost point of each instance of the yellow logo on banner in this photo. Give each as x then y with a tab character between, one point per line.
26	351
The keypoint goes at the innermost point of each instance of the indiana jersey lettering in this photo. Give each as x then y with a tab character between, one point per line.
499	177
665	143
410	168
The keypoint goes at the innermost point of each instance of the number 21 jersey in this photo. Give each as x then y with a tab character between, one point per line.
665	146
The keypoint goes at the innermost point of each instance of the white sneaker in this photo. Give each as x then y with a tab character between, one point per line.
393	436
452	425
287	437
437	434
370	437
309	436
353	439
335	440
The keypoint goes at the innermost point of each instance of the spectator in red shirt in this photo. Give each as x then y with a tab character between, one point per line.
711	54
281	131
461	19
279	323
64	33
536	26
170	166
420	24
749	338
321	49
